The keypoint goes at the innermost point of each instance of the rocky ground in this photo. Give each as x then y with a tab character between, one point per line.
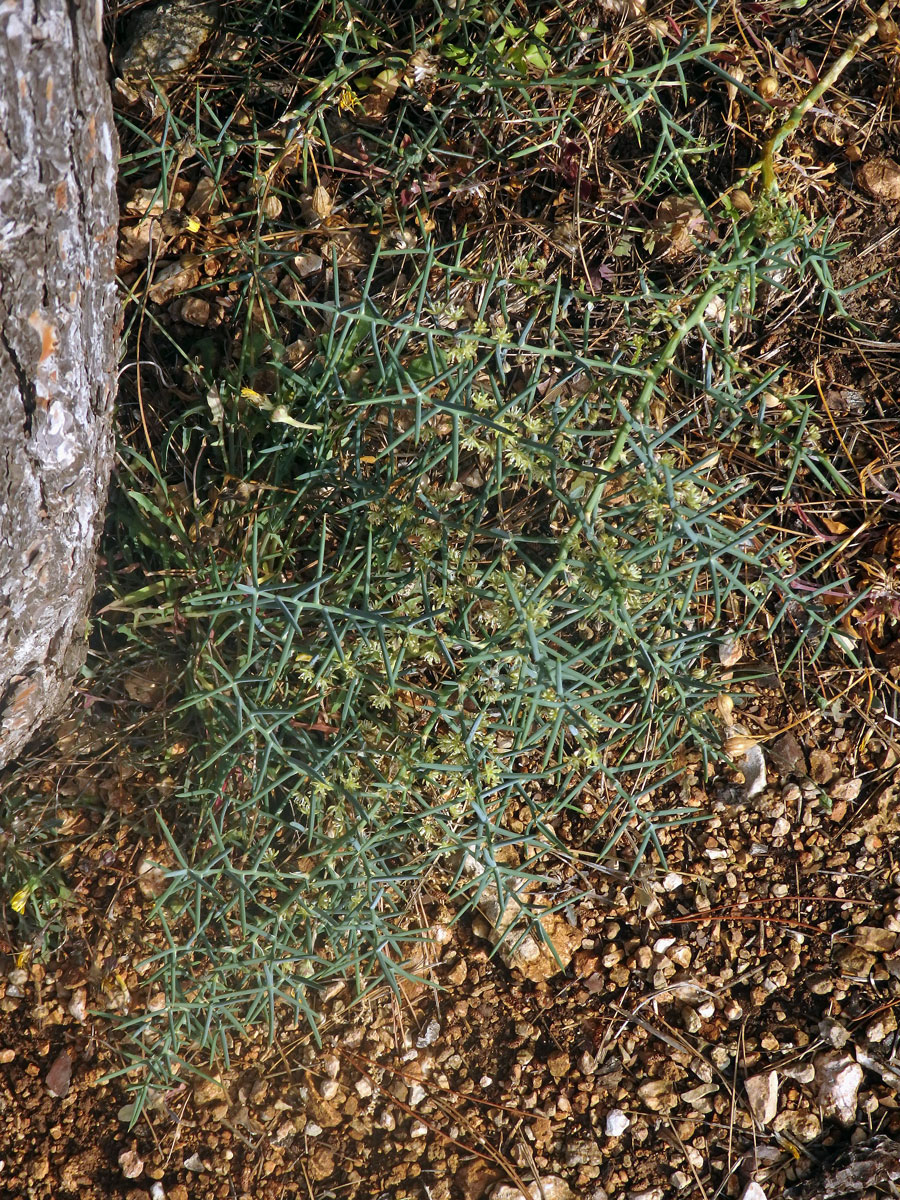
723	1026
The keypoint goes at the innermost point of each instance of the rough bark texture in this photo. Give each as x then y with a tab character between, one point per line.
58	330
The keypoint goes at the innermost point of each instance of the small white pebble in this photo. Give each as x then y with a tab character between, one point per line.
332	1066
485	1081
157	1191
416	1095
672	882
587	1064
616	1122
78	1005
364	1088
430	1036
312	1129
753	1191
418	1129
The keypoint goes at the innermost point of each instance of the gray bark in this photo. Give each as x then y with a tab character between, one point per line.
58	333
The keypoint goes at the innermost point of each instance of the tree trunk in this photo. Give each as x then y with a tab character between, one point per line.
58	333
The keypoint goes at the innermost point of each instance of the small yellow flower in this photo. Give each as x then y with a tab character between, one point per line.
20	899
346	99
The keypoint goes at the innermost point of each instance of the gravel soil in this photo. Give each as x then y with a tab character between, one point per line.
723	1023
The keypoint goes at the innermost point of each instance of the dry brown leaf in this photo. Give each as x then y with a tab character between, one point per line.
145	202
738	745
679	221
731	650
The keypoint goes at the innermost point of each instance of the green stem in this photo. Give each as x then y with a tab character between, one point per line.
641	407
654	374
767	162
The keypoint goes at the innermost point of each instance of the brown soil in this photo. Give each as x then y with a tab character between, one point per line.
770	943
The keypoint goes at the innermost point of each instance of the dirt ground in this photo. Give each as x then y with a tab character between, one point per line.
691	1045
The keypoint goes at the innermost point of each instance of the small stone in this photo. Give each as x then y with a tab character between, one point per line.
208	1091
731	650
163	40
844	790
657	1094
418	1129
753	1191
320	1163
172	280
363	1088
878	1029
77	1006
787	756
60	1075
838	1079
616	1123
194	310
331	1065
762	1096
131	1164
458	972
880	177
690	1019
696	1097
874	939
834	1032
430	1036
587	1063
803	1073
559	1065
820	984
855	962
151	879
552	1187
802	1126
821	766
